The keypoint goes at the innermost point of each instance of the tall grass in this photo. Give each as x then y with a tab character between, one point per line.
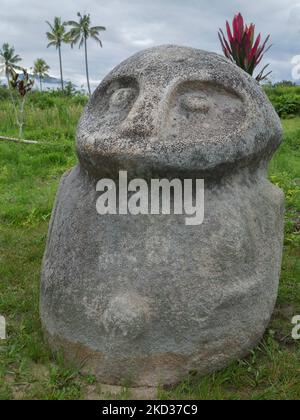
47	116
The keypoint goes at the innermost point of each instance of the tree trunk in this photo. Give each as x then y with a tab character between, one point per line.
41	88
60	65
12	98
7	78
87	67
21	118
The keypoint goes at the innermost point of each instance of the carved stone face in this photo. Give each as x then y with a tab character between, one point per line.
176	107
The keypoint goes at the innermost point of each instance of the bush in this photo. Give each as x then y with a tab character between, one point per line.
287	104
285	98
4	93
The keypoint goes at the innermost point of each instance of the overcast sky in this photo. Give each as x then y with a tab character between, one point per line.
133	25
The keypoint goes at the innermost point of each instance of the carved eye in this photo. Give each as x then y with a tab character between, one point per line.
195	103
200	110
122	98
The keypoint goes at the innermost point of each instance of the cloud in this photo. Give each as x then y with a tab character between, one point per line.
133	25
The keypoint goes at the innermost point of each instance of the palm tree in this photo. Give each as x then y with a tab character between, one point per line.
40	69
57	36
10	59
80	32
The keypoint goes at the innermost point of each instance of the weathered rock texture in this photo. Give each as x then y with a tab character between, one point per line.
147	298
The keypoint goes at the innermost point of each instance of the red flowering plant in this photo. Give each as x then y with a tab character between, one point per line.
242	48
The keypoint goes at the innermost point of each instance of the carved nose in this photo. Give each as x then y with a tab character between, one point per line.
140	120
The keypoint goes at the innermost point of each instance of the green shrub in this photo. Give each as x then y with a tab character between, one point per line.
4	93
285	98
287	104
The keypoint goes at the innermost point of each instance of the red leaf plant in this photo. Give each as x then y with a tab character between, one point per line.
242	48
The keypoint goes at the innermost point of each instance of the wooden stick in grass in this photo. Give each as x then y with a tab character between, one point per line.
3	138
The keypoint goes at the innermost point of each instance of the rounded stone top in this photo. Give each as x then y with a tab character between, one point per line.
172	109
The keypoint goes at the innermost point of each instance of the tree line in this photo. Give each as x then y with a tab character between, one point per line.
70	32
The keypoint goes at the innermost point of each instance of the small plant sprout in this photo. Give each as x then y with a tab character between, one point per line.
242	48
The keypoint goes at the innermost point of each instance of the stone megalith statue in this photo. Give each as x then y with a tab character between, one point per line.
145	298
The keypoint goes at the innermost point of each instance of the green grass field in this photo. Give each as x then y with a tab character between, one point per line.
29	176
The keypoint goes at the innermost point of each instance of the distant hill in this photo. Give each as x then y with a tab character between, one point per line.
49	82
49	79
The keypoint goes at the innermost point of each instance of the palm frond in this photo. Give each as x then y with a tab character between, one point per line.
72	23
16	67
16	58
74	40
66	38
57	35
40	68
98	28
81	42
51	27
50	36
80	31
57	22
74	32
52	44
97	40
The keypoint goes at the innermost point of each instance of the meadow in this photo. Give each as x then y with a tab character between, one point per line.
29	177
